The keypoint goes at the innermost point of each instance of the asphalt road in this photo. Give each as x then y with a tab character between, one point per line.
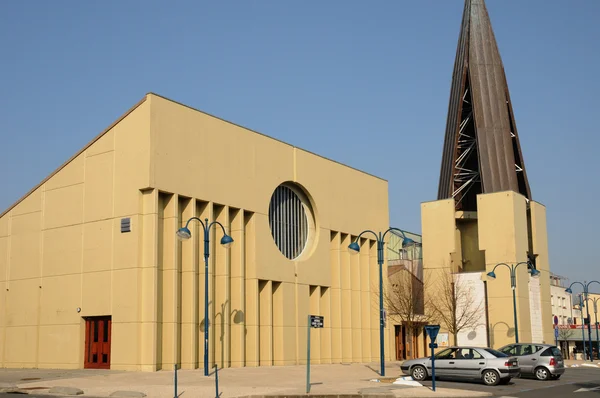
575	379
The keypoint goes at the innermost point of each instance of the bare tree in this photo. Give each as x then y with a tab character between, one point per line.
565	334
455	306
406	303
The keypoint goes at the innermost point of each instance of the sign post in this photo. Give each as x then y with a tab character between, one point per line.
432	332
314	321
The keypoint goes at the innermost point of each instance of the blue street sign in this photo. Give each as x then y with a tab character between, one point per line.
555	333
432	331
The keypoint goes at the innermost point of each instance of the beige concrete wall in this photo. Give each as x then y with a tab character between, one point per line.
239	170
505	231
503	236
160	165
60	249
441	246
539	238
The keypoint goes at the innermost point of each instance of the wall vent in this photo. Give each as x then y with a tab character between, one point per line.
125	225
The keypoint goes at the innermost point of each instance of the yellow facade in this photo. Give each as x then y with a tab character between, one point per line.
503	230
62	251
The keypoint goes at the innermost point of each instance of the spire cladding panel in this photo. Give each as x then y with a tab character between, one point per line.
482	153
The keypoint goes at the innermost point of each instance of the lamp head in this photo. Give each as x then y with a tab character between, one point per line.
226	241
535	273
184	233
354	248
407	242
568	290
491	275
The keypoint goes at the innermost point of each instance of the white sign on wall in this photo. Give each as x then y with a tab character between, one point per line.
442	340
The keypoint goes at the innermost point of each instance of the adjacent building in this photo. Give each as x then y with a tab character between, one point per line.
563	315
92	275
405	295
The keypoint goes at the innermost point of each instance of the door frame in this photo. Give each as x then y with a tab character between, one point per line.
102	347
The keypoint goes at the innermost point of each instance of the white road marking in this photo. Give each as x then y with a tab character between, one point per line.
588	389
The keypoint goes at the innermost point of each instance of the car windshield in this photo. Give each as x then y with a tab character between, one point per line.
445	354
496	353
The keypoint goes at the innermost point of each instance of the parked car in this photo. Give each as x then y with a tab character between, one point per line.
544	361
485	364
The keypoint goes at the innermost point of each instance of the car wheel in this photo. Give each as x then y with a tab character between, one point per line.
490	377
418	373
542	373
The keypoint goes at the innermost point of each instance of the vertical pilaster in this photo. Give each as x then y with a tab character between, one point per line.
251	296
203	211
221	291
325	332
373	302
189	289
345	271
315	337
149	342
355	296
336	298
265	299
170	288
237	284
366	300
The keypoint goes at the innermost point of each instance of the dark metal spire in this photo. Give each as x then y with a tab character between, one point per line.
481	152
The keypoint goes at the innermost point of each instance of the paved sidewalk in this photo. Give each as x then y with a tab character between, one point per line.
570	362
352	379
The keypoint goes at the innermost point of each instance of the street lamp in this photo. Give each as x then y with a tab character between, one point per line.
582	327
355	249
513	284
595	300
586	290
226	241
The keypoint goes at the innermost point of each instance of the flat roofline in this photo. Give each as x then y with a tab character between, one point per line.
113	124
265	135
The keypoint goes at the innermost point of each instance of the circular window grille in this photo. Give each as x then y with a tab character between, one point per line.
289	222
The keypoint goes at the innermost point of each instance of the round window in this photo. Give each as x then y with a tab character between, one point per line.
291	220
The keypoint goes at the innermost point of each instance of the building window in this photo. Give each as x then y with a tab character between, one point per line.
291	220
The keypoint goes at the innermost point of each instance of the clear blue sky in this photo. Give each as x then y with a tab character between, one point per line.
364	83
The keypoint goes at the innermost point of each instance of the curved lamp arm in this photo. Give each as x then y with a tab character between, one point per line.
589	283
354	246
492	273
219	224
534	272
226	240
405	240
184	233
568	290
197	219
524	262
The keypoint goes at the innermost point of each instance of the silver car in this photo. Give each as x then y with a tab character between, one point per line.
544	361
486	364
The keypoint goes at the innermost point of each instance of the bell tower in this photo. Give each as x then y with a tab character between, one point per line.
484	214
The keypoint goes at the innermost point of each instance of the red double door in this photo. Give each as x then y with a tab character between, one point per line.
97	342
